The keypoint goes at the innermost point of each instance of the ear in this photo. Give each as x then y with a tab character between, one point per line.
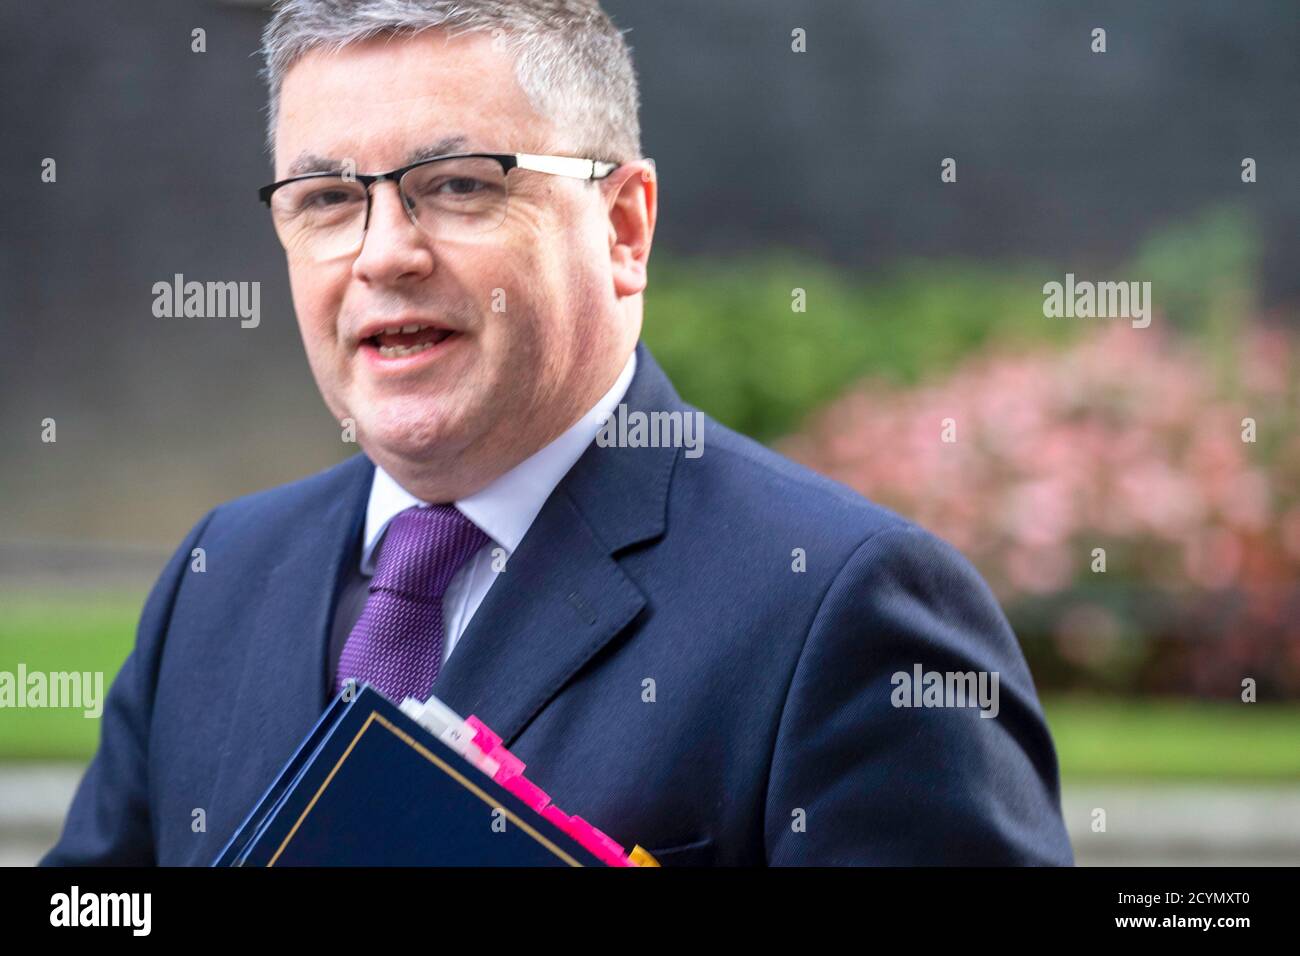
632	198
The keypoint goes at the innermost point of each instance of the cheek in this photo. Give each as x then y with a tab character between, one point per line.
315	303
516	298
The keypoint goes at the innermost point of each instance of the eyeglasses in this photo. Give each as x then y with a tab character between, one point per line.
455	197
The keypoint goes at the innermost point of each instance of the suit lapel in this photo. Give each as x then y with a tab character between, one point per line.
558	601
282	690
563	595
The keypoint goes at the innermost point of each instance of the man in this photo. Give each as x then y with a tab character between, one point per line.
698	650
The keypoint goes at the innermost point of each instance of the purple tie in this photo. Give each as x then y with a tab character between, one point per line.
396	644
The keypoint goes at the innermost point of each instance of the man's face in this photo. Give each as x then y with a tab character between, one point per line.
536	332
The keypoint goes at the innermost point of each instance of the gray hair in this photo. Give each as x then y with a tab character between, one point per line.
570	59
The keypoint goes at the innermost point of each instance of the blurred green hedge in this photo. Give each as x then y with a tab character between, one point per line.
726	333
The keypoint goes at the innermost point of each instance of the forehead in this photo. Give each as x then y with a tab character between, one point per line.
383	100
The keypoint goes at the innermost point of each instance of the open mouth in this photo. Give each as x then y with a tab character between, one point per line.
403	340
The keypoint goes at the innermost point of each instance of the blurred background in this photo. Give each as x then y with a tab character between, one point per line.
817	171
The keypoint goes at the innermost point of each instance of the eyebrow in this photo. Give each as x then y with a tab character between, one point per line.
448	144
313	163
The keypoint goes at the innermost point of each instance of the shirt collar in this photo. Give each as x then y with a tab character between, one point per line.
504	509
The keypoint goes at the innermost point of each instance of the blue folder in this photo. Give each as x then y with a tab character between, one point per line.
369	786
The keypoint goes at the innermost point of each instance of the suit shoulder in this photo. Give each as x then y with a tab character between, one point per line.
305	494
867	539
782	492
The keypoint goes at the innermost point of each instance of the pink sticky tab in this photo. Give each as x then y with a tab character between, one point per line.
610	843
510	774
486	740
556	816
599	843
511	766
581	832
526	791
483	735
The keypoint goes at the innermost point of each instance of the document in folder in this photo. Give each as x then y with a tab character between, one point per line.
378	785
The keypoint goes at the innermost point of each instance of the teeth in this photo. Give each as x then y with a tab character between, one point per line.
397	351
402	329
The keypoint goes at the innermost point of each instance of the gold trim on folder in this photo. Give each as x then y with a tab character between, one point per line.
460	778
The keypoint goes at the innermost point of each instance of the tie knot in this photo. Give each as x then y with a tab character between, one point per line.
422	550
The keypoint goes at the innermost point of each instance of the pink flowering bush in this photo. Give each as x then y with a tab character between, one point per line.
1130	442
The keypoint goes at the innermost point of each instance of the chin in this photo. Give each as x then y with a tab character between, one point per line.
414	432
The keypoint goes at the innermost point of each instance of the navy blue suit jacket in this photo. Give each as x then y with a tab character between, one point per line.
649	652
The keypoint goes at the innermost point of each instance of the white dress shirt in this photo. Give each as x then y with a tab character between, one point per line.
504	510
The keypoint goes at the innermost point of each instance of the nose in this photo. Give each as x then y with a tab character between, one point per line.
393	249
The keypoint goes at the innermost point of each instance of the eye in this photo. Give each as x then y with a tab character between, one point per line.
458	186
327	196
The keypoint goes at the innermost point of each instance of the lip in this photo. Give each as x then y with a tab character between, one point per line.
375	326
405	363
